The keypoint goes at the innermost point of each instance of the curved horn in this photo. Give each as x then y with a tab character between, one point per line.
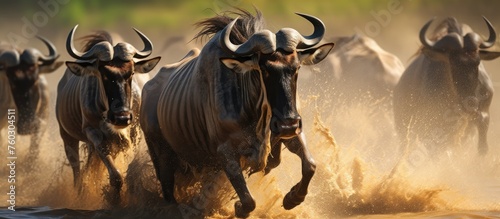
423	39
316	36
148	46
224	40
493	36
53	55
102	50
263	41
9	58
71	48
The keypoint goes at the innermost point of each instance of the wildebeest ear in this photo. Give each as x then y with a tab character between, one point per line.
146	66
487	55
81	68
50	68
315	55
240	65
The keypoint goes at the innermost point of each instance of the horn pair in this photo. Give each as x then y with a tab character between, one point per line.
12	57
266	42
484	45
102	50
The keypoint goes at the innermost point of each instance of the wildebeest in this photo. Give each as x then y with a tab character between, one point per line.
223	106
98	100
23	87
446	91
358	69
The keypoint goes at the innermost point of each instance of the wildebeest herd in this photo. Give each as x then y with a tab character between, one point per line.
234	103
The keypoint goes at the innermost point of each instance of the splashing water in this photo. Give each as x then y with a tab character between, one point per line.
359	172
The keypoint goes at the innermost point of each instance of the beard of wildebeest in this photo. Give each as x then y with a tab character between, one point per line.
117	86
22	80
464	68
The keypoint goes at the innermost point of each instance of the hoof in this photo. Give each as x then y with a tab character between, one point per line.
115	199
242	211
291	201
112	197
267	170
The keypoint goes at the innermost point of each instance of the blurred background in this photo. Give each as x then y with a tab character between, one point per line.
393	23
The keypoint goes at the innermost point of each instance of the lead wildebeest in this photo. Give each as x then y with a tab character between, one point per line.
222	106
446	90
24	87
98	100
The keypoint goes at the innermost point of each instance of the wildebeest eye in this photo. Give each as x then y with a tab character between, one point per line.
128	75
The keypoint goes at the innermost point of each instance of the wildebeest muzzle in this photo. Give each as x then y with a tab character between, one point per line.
286	128
120	119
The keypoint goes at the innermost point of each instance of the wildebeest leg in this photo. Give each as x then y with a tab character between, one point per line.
234	173
165	162
135	129
102	148
40	124
483	122
73	154
298	192
404	136
135	134
34	150
115	178
34	146
274	158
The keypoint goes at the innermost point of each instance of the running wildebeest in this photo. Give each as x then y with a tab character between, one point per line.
446	90
357	69
98	100
223	106
23	87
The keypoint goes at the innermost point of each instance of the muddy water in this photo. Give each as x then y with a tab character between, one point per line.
360	173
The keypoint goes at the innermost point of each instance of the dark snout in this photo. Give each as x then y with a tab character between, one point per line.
286	127
120	118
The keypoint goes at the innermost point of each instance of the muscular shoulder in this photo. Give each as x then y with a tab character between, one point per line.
163	75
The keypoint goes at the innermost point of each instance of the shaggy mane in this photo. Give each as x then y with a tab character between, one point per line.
97	37
245	27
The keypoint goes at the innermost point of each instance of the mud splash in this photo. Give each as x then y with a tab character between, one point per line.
360	172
